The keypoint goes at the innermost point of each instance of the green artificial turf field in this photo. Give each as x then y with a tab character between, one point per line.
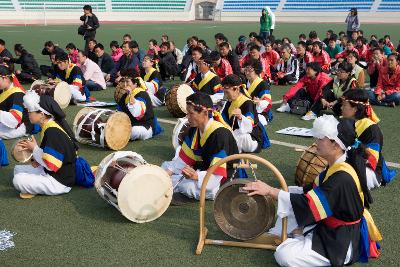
81	229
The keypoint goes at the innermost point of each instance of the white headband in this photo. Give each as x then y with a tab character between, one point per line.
326	126
31	102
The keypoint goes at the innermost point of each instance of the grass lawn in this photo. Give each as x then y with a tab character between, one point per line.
81	229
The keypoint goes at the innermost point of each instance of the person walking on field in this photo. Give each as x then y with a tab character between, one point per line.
89	26
353	23
265	24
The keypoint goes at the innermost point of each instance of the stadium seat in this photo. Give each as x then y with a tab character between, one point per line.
389	5
249	5
6	5
148	5
331	5
61	5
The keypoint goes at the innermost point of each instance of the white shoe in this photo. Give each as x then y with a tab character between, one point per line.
284	108
309	116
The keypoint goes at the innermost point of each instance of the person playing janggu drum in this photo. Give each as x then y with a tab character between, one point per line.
71	74
136	103
206	142
14	120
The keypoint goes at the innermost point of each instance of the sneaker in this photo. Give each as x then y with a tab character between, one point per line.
309	116
284	108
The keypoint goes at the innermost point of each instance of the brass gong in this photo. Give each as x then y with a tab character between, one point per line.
241	216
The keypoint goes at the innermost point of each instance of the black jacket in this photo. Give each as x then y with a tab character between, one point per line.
168	64
106	63
234	61
57	50
28	64
93	22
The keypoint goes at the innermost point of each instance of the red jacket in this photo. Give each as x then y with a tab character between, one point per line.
323	59
344	53
223	69
388	85
266	73
313	86
373	66
271	57
362	52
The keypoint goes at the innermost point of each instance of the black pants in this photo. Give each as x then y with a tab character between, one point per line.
289	79
46	70
25	77
330	97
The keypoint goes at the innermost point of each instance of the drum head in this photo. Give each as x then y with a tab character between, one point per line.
36	83
118	131
183	92
62	94
241	216
20	155
145	193
180	130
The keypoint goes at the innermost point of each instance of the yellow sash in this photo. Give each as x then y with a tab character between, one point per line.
210	129
148	74
254	84
373	230
48	125
69	69
133	93
7	93
362	125
237	103
206	79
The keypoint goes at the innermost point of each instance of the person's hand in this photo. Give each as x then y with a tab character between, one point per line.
51	81
118	79
108	77
190	173
132	100
237	113
17	72
28	145
324	103
34	163
258	188
380	97
340	60
280	75
6	58
256	100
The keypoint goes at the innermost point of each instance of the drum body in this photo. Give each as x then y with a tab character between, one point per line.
175	100
241	216
309	166
120	89
103	128
181	129
19	154
60	92
140	191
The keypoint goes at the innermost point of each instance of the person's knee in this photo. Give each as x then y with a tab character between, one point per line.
19	181
285	256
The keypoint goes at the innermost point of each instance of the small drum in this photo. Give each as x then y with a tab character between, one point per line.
140	191
181	129
102	127
309	166
175	100
60	92
120	89
240	216
19	154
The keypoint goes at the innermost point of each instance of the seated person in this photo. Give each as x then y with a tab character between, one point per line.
287	69
349	47
332	213
226	52
207	81
387	91
72	53
153	48
258	90
136	103
333	48
153	82
241	115
358	72
30	70
91	72
361	48
220	66
71	74
191	69
254	52
167	63
377	61
356	106
307	88
14	121
91	43
333	91
5	53
49	49
271	55
128	62
52	170
303	57
321	57
207	142
104	60
116	51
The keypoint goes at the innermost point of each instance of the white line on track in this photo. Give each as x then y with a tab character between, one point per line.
53	30
14	31
280	143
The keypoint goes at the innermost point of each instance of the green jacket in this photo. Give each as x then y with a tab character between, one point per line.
265	23
333	51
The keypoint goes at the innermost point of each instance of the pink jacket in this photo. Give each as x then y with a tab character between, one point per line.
116	55
74	57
